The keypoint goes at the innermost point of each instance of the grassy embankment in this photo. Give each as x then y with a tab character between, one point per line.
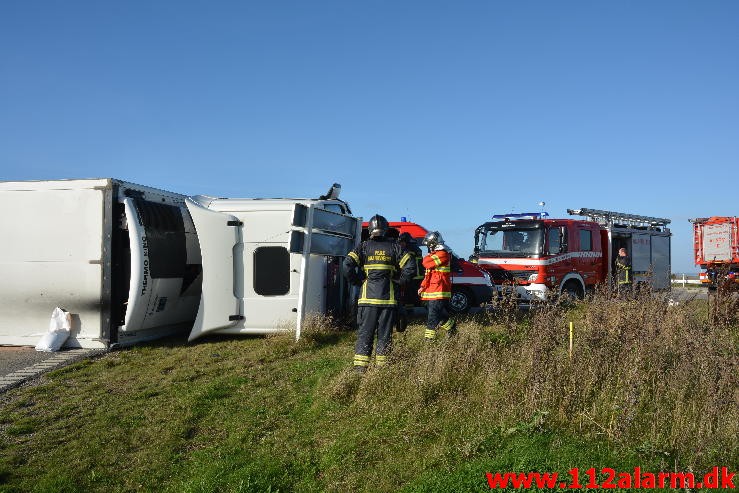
647	384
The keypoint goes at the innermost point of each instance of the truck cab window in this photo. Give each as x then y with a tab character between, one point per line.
554	241
271	271
563	236
520	241
586	240
334	208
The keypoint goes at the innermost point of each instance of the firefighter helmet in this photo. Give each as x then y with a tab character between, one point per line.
378	226
433	239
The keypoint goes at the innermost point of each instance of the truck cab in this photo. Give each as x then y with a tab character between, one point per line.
267	263
535	256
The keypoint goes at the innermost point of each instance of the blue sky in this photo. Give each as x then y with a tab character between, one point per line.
443	112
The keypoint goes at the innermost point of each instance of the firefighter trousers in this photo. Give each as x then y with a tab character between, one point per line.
373	320
438	318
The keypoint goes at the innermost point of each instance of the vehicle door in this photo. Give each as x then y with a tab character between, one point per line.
588	259
641	257
557	264
661	265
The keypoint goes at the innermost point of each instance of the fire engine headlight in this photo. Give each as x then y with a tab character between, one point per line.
533	277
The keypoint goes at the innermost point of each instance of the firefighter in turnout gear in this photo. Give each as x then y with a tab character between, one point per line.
409	291
623	272
375	265
436	287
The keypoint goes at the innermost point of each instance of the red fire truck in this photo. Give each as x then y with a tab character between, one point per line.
716	247
471	286
537	256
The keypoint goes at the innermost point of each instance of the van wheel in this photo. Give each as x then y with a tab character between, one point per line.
461	300
573	290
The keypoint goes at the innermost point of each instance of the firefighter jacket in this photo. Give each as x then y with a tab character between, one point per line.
437	282
623	270
378	264
417	258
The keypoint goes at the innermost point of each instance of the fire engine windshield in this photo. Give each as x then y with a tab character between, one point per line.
512	242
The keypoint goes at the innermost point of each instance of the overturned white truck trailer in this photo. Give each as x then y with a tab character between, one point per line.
133	263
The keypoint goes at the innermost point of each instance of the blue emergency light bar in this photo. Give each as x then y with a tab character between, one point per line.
523	215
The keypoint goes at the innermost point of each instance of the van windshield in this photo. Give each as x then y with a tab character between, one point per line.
512	242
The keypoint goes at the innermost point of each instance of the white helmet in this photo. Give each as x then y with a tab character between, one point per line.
433	240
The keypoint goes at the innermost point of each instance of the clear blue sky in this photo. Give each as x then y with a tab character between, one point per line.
444	112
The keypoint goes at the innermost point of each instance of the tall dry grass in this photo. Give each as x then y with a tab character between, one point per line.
644	373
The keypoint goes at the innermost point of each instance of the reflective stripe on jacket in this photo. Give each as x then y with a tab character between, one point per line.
437	283
379	259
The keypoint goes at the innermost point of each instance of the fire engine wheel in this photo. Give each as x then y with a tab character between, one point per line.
573	290
461	300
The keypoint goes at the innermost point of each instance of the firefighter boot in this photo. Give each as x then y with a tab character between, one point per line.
450	327
361	362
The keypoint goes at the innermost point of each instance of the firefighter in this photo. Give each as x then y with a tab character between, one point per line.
373	265
409	292
436	287
623	272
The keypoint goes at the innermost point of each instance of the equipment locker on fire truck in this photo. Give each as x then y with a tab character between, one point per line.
537	256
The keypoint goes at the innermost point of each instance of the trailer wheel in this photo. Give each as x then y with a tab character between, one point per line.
461	300
573	290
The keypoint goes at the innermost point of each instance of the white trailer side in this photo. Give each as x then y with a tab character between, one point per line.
53	255
99	248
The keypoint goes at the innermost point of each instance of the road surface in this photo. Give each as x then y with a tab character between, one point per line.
19	364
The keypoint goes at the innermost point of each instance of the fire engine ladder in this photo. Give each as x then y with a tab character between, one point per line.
609	218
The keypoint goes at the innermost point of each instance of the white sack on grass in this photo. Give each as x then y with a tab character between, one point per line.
59	325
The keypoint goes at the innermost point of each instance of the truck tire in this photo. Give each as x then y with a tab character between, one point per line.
573	290
461	300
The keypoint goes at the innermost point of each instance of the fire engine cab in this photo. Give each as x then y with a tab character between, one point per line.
537	256
471	285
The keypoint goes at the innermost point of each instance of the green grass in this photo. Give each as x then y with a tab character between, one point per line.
268	414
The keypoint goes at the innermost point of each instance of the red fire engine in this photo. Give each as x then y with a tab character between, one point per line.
471	286
537	256
716	247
